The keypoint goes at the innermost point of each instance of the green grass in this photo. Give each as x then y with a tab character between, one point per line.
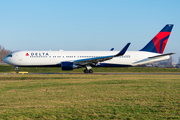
90	97
9	68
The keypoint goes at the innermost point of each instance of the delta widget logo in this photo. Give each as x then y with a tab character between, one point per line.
27	54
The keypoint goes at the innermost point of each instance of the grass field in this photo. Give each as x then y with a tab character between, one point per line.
90	96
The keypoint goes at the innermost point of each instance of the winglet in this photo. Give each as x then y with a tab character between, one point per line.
122	52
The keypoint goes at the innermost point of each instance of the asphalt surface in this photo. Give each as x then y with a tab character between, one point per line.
95	73
114	73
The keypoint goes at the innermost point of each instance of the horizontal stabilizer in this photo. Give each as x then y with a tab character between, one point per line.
162	55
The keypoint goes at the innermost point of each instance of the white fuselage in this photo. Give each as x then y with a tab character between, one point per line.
54	58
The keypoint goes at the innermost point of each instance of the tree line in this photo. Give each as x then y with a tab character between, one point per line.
3	53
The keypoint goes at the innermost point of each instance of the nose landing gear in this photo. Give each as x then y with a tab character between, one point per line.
16	69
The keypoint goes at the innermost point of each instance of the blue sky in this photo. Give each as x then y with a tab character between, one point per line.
87	24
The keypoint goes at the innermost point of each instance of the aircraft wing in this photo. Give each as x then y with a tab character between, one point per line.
94	61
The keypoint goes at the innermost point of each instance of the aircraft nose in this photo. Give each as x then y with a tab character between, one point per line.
5	59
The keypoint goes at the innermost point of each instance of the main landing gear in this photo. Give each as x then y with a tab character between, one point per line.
88	69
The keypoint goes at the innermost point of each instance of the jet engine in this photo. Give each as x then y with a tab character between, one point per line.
69	66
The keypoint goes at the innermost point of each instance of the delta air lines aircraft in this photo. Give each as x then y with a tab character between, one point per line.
69	60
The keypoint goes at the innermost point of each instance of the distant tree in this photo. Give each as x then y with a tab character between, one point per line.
3	53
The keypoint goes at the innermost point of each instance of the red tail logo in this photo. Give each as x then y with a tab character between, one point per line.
160	41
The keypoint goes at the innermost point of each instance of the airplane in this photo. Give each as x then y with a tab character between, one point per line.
69	60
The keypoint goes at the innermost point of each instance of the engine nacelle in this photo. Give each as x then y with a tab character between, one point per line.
67	65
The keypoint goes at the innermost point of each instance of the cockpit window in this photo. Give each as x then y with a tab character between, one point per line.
9	56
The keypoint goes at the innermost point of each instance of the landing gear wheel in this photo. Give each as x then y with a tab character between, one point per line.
91	71
86	71
16	69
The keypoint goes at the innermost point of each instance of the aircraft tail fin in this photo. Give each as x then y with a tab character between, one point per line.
158	43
